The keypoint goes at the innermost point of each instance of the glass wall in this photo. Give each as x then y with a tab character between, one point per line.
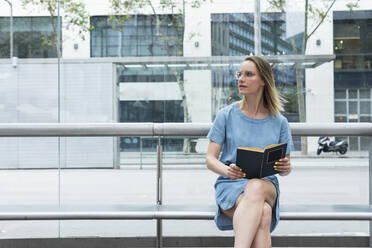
33	37
352	47
233	35
142	35
137	35
170	64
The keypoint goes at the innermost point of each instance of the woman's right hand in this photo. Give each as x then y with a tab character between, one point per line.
234	172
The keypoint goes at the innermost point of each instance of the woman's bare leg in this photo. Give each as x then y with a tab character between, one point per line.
248	210
263	237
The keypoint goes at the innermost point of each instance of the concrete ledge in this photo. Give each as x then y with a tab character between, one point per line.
278	241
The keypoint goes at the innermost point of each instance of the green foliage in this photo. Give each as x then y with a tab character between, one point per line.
123	10
73	12
353	5
316	10
277	4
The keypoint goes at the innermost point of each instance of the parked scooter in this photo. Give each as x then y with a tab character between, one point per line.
325	145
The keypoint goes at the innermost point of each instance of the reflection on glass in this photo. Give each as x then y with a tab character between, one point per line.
33	37
365	143
353	143
353	94
351	46
340	118
233	34
340	94
140	35
365	107
340	107
353	108
365	93
365	119
150	111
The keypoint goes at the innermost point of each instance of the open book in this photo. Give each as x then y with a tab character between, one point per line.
258	163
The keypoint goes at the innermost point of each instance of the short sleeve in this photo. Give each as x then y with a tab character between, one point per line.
217	132
286	136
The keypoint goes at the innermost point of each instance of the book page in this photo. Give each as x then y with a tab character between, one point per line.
273	145
251	149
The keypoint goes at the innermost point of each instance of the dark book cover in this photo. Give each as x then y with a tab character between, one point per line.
259	163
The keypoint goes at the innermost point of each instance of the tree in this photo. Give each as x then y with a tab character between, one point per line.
318	15
74	13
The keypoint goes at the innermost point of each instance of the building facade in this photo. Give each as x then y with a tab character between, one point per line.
338	91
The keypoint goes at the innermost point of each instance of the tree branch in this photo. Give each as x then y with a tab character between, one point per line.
304	40
152	7
321	21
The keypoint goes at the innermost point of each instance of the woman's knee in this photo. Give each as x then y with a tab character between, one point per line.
266	216
254	189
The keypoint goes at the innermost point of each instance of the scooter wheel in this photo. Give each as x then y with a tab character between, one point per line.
318	151
342	151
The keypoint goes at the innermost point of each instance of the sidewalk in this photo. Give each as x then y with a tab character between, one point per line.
305	185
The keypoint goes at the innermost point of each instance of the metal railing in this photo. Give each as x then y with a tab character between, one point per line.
171	129
166	129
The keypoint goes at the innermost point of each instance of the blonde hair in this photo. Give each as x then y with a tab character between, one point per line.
272	99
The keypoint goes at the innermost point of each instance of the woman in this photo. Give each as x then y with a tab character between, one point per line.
250	207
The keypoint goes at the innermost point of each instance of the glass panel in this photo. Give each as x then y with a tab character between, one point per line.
353	143
340	107
33	37
340	94
365	107
365	118
353	94
353	108
140	34
341	118
111	90
365	143
365	93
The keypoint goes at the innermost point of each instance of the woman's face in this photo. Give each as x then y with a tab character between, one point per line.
249	80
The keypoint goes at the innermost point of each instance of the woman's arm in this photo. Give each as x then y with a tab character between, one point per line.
217	166
284	166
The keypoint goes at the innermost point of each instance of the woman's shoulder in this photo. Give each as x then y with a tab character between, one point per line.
228	109
280	118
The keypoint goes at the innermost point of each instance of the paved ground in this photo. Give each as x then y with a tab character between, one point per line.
314	180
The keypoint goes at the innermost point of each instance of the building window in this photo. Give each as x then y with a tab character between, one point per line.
238	29
354	105
151	111
140	35
353	44
33	37
238	32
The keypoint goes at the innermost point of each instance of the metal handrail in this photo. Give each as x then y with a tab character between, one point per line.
166	129
169	129
170	215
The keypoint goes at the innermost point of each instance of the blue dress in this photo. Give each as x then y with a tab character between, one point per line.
232	129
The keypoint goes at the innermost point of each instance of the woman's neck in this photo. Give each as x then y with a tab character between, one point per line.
253	107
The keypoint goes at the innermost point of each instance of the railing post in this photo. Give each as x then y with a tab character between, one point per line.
140	138
159	193
370	191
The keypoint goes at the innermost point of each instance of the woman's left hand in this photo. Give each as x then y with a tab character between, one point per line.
283	166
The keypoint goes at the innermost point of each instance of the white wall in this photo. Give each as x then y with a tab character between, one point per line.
149	91
199	94
30	94
319	81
